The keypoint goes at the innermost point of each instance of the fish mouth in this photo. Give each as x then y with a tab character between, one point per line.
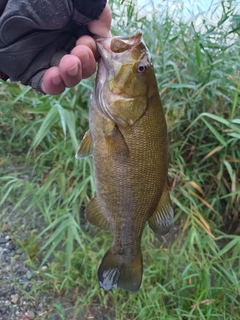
116	51
116	66
109	46
108	66
133	39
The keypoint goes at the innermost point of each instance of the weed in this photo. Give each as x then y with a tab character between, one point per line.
194	276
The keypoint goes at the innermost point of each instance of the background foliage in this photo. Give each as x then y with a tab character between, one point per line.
194	273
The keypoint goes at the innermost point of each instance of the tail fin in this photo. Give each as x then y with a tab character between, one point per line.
120	271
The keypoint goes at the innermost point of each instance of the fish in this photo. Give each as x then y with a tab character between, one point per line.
128	142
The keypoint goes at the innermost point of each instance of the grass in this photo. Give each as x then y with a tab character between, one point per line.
194	276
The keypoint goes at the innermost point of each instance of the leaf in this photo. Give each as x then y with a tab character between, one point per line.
212	152
206	302
198	54
219	119
182	86
196	186
203	201
71	125
236	121
60	230
215	132
235	101
51	118
52	225
229	169
61	112
234	135
235	241
202	222
231	194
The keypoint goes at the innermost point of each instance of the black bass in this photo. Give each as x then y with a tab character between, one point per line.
127	140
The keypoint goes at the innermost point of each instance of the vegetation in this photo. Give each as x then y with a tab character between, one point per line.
194	273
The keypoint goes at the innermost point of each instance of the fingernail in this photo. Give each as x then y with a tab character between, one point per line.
56	80
73	71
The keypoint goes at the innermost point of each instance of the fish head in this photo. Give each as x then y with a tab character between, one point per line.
125	78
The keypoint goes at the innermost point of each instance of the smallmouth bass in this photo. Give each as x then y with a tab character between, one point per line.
127	140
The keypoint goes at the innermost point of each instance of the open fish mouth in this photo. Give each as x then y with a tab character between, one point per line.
131	40
117	50
117	44
117	69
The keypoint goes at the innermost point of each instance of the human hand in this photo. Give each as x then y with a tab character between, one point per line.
43	51
81	62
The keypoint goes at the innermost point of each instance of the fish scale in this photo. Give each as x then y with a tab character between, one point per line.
127	139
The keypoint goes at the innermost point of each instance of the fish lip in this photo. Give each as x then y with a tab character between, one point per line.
134	37
103	46
106	60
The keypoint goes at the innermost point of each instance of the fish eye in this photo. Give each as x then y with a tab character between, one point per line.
141	68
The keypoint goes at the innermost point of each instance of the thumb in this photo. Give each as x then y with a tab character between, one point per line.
101	27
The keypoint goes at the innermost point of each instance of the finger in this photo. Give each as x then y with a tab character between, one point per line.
70	70
90	43
101	27
52	82
86	56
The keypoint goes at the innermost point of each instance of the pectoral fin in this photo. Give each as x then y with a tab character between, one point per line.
95	214
115	141
85	148
162	218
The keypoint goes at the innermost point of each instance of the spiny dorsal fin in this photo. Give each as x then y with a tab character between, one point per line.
85	148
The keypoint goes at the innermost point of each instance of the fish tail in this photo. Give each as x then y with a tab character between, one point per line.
120	271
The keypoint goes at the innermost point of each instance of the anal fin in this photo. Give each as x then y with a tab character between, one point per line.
162	218
95	214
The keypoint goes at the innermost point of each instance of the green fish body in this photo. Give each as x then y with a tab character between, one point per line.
127	139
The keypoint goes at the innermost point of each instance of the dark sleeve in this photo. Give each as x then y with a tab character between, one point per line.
90	8
35	34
